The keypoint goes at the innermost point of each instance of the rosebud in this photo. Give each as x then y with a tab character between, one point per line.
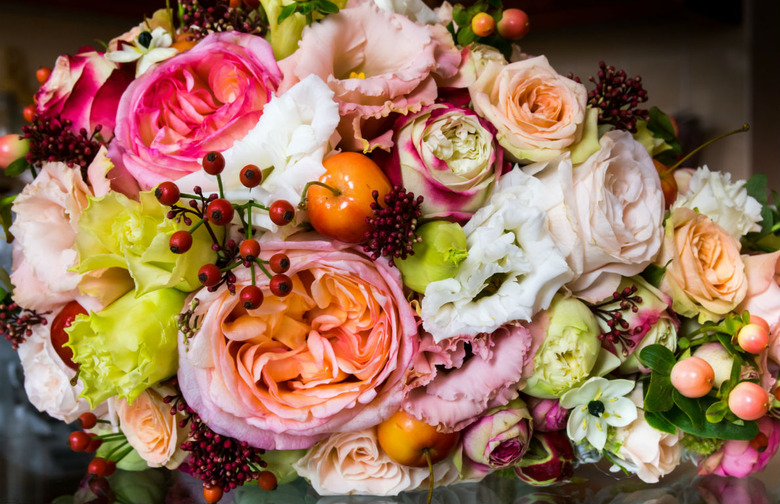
500	437
547	414
549	459
436	257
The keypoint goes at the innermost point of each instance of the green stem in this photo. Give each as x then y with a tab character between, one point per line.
676	165
196	226
430	475
257	261
302	204
219	184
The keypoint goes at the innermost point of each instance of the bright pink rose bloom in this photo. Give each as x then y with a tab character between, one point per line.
378	63
741	458
199	101
329	357
85	89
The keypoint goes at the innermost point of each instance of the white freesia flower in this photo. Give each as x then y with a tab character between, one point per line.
724	202
147	53
512	271
595	406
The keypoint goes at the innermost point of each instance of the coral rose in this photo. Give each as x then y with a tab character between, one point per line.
705	275
198	101
329	357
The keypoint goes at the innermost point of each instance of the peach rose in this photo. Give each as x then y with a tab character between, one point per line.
705	275
329	357
538	113
151	429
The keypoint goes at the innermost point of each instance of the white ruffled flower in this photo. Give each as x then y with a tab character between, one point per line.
595	406
154	48
512	271
416	10
724	202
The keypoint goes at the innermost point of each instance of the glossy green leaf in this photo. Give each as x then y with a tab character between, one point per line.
466	35
287	11
756	187
691	407
659	393
717	411
658	422
6	217
17	167
658	358
720	430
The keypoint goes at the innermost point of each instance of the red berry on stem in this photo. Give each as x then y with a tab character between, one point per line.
279	263
267	480
220	211
514	24
213	163
94	443
180	242
88	420
251	297
167	193
249	249
250	176
79	440
42	74
97	467
110	467
29	113
281	285
209	275
753	338
212	494
281	212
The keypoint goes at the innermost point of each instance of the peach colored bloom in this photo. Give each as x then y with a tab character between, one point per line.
329	357
763	293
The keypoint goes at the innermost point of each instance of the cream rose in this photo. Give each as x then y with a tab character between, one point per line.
151	429
705	275
538	113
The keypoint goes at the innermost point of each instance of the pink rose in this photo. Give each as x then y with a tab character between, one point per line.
538	113
741	458
85	89
201	100
547	414
329	357
763	287
377	63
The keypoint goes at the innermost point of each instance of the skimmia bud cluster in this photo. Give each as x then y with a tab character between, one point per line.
393	224
53	139
207	16
16	323
611	311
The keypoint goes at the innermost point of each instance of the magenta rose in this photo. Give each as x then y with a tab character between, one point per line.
199	101
329	357
85	89
741	458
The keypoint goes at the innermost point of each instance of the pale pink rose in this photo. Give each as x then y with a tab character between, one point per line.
399	61
537	112
460	393
763	287
199	101
151	429
85	89
352	463
47	378
683	178
741	458
329	357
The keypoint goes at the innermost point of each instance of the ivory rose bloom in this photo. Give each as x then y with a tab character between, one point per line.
370	77
538	113
329	357
151	429
198	101
705	275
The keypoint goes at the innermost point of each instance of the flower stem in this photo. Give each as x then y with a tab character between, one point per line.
302	204
430	474
745	127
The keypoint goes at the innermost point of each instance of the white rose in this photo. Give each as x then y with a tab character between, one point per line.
512	271
724	202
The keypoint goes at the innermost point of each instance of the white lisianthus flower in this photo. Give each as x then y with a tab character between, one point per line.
148	49
726	203
512	271
595	406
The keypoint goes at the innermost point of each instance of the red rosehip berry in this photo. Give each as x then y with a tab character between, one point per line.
213	163
29	113
78	441
249	249
281	212
42	74
209	275
250	176
97	467
88	420
110	467
279	263
220	211
180	242
167	193
212	494
94	443
281	285
267	480
251	297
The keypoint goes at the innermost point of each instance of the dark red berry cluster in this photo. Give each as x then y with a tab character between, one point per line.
16	323
201	17
53	139
617	97
620	333
393	225
218	461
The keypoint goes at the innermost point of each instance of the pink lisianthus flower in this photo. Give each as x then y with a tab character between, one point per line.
377	63
763	287
741	458
199	101
84	88
489	378
329	357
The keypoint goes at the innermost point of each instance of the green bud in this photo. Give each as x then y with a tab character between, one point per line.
436	257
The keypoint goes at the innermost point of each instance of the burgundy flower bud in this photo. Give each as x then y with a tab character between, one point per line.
549	459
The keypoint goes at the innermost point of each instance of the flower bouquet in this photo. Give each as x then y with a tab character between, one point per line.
378	247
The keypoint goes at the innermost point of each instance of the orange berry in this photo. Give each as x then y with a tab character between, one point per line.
483	24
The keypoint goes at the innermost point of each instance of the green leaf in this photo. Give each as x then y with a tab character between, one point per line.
287	11
661	127
717	411
691	407
6	218
658	358
327	7
658	422
659	393
725	340
756	187
720	430
654	274
460	16
767	220
5	279
17	167
466	36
